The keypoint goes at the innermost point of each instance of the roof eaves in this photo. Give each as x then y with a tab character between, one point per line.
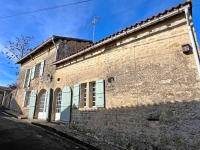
35	49
48	40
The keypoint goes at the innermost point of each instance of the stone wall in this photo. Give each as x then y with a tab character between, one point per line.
48	54
6	99
153	102
154	99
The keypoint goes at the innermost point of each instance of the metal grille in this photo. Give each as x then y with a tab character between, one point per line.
42	106
93	94
58	101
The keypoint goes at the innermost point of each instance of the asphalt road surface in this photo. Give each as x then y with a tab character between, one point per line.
18	135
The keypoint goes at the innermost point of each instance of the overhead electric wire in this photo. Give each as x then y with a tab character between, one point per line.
114	15
43	9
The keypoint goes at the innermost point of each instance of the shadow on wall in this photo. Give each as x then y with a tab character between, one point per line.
14	106
159	126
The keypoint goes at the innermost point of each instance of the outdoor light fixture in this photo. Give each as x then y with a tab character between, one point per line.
50	77
186	48
111	79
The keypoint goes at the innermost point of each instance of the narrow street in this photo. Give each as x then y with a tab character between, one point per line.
18	135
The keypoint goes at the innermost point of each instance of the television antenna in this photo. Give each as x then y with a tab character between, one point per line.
94	24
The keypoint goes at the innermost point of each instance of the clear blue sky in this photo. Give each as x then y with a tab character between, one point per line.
43	25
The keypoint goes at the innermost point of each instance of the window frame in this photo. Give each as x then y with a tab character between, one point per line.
87	95
58	96
28	71
37	70
27	99
93	94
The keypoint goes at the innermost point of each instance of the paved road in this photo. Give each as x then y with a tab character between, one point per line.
19	135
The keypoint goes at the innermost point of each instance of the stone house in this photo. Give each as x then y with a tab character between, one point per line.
137	88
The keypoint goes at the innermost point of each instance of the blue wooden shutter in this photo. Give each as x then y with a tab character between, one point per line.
100	97
32	104
29	78
24	98
66	105
32	72
48	99
76	96
42	68
24	79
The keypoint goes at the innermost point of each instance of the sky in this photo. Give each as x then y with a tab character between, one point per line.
65	21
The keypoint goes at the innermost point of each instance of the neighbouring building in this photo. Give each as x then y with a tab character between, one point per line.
5	96
138	88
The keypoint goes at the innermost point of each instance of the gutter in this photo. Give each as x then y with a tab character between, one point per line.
191	34
139	27
54	45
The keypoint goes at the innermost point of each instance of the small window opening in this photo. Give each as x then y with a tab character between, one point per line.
169	24
112	45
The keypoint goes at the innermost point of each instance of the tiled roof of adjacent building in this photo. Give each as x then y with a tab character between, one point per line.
48	41
126	31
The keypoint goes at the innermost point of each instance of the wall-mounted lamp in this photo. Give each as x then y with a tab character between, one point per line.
186	48
111	79
50	77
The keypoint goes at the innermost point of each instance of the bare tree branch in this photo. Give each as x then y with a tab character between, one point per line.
15	50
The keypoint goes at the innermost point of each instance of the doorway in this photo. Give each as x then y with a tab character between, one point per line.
42	105
58	104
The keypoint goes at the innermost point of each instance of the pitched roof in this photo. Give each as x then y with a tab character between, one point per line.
47	42
5	88
137	26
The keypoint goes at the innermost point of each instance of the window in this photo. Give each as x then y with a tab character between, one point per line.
37	70
42	104
111	45
58	101
26	78
85	95
27	99
93	94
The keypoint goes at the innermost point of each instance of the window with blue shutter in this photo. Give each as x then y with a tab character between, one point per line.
76	96
42	68
24	79
48	102
23	102
100	93
26	99
65	113
32	72
29	77
32	104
